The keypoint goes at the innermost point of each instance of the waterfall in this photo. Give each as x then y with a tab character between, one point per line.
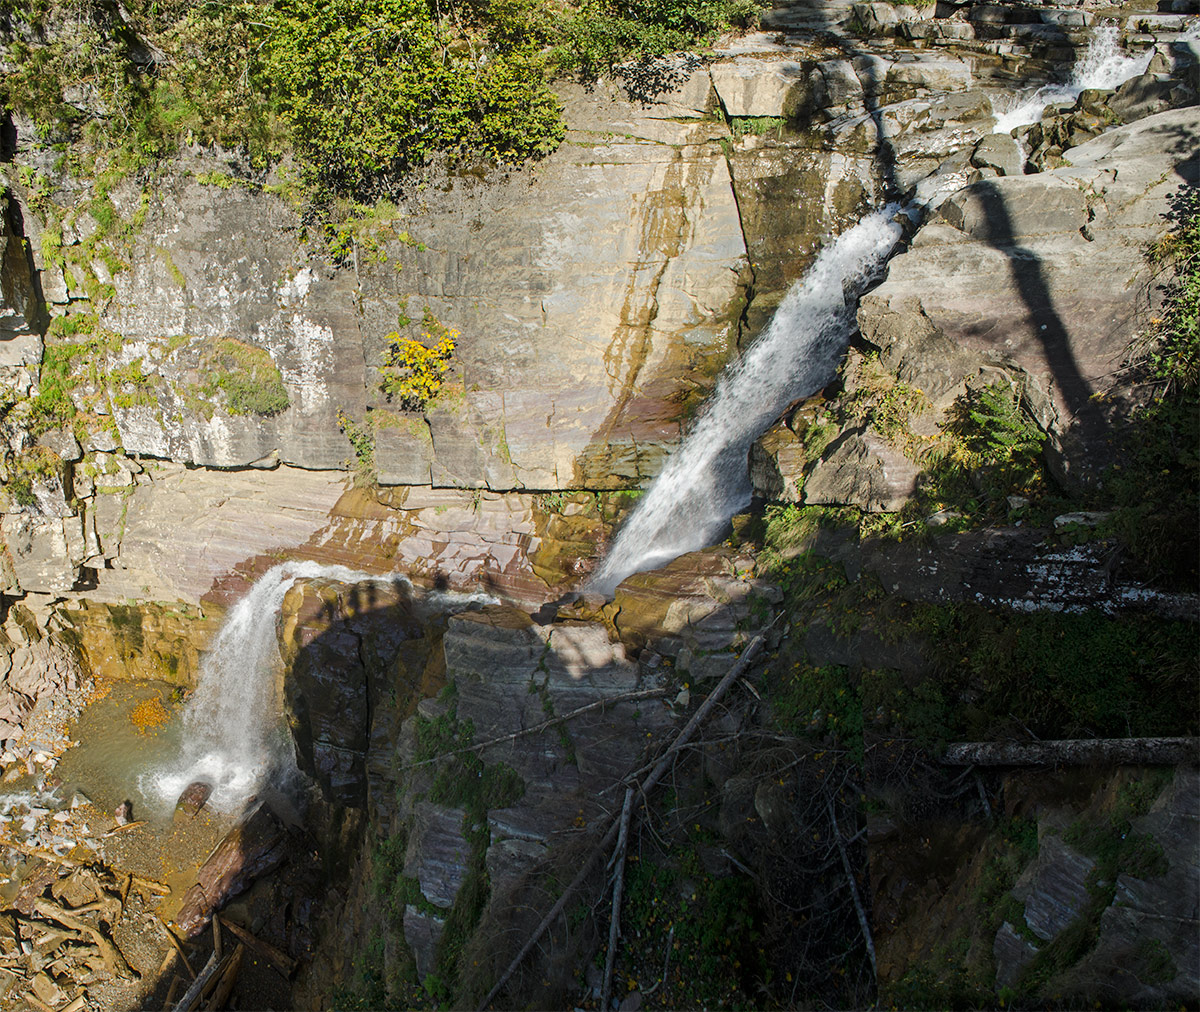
1104	64
705	481
234	736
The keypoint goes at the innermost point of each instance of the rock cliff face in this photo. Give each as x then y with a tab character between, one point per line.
596	294
196	395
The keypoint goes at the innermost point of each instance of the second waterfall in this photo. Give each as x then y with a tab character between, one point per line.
706	480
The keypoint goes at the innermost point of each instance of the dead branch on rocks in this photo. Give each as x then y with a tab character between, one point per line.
614	822
108	950
191	997
614	924
1074	752
858	904
228	979
280	959
175	944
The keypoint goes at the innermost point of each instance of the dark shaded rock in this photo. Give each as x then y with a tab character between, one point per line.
437	852
1054	888
423	931
1012	953
20	339
340	643
1148	952
194	797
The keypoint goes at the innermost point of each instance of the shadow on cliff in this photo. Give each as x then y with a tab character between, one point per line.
735	825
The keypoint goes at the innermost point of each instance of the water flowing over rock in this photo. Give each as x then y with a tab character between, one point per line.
1104	64
700	261
235	738
705	481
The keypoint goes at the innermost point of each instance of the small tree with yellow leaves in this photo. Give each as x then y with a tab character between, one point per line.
413	371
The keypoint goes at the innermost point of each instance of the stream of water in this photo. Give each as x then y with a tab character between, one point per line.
1104	64
705	481
233	736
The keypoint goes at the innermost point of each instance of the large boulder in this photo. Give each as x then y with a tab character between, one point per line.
1005	275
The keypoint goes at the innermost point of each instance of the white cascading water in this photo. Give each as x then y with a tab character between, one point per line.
234	735
705	481
1104	64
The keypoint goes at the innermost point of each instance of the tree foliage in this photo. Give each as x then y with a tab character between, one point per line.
362	92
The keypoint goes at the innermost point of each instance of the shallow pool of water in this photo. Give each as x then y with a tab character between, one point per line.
116	760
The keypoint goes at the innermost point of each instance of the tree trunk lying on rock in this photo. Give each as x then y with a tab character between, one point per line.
1077	752
252	848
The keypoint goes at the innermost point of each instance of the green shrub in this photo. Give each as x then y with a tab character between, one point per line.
246	375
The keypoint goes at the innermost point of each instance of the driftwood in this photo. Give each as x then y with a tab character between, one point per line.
33	999
228	979
176	980
280	959
191	997
124	826
176	946
1075	752
42	855
659	771
222	965
252	848
108	950
148	885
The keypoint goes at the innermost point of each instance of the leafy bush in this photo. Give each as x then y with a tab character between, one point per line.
370	89
412	371
593	35
361	91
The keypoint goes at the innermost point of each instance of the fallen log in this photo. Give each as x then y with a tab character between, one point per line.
252	848
1074	752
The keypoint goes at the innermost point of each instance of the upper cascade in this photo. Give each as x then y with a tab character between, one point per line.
706	481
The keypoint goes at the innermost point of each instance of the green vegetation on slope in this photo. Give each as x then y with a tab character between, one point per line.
360	92
1155	493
